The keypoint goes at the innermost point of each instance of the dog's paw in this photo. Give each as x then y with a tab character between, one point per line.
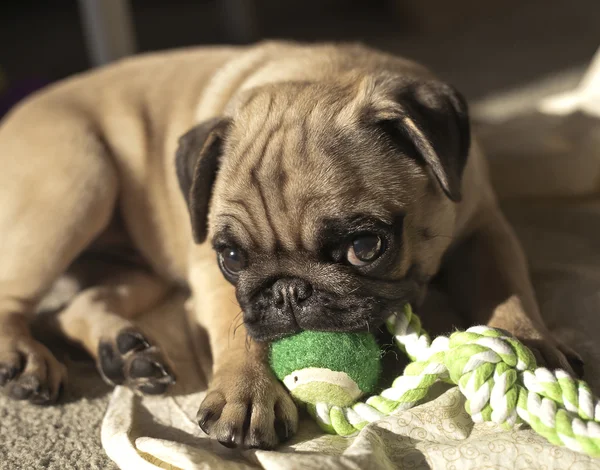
552	354
132	361
248	408
29	371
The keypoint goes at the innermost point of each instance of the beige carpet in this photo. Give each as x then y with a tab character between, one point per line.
60	437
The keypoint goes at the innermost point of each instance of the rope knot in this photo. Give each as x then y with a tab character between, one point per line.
485	363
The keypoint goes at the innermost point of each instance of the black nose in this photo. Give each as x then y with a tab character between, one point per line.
291	291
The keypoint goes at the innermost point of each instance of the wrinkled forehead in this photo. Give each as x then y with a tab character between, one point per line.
291	101
263	213
289	167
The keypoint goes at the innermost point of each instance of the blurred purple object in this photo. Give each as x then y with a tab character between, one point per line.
15	92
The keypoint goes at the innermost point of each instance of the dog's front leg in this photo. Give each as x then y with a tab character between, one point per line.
488	279
245	405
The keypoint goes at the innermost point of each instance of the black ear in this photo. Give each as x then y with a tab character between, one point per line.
434	118
196	163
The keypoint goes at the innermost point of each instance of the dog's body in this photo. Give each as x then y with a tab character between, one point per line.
88	168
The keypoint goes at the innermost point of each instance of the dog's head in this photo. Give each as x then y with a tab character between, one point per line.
328	205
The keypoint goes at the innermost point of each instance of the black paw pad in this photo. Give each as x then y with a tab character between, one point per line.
111	363
130	360
142	367
131	341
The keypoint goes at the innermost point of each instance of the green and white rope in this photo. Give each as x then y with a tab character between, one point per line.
496	373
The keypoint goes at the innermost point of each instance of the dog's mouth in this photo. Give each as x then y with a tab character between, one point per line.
365	314
291	305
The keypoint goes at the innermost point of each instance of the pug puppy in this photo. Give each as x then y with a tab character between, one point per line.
290	186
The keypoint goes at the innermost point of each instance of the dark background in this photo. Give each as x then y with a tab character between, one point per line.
480	46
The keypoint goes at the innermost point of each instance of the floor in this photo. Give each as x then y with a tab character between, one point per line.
522	43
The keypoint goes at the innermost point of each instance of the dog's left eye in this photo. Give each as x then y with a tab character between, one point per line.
364	250
232	261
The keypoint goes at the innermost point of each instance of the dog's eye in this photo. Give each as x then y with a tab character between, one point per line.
232	261
364	250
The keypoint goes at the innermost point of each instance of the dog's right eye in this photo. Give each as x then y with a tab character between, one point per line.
232	261
364	249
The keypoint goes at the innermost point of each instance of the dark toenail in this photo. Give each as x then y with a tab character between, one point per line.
7	374
111	363
506	333
143	367
131	341
282	430
153	388
229	440
20	393
41	397
229	444
203	417
262	445
256	440
61	390
578	365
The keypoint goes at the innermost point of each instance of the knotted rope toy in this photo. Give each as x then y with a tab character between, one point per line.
496	373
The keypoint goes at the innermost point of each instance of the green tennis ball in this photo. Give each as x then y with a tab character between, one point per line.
335	368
